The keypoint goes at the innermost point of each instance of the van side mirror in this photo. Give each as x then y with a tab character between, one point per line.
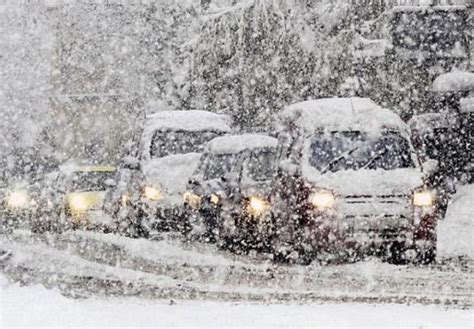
110	182
131	163
230	179
430	167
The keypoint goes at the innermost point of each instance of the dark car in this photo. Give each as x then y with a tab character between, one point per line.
228	197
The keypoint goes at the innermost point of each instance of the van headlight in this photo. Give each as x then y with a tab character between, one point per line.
322	199
17	199
215	199
257	206
423	199
191	199
152	193
78	203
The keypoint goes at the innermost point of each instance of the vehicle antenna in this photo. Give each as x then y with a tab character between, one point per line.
352	107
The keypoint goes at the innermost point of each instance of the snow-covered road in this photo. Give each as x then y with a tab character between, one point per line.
37	306
86	264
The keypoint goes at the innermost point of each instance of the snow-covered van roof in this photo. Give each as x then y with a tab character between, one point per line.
467	105
340	114
419	5
454	81
187	120
238	143
424	123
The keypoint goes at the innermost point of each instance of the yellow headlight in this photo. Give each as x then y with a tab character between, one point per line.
322	199
78	203
423	199
152	194
125	199
214	199
191	199
257	206
18	199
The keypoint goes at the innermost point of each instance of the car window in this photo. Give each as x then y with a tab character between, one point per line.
179	142
354	150
261	164
218	165
90	181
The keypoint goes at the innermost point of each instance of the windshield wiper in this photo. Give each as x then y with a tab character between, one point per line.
375	157
333	162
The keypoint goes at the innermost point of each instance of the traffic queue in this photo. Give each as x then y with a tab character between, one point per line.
336	178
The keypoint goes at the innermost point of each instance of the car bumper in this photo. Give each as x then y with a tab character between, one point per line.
234	225
156	215
358	234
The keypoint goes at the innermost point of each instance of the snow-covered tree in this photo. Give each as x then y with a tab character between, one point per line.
258	56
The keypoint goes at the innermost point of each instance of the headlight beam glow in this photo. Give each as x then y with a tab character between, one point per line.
152	193
17	199
322	199
423	199
257	206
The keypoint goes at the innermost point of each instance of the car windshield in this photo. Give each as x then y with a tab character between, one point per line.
218	165
91	181
355	150
179	142
261	164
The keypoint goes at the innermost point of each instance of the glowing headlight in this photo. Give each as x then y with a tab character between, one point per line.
18	199
152	194
125	199
78	203
257	206
191	199
214	199
49	204
423	199
322	199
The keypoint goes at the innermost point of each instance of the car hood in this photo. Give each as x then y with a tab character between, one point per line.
368	182
171	173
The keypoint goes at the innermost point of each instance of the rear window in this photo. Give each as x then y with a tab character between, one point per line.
166	143
262	164
91	181
218	165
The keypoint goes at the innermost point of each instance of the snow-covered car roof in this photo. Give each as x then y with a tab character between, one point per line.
187	120
340	114
72	168
238	143
423	5
454	81
467	104
424	123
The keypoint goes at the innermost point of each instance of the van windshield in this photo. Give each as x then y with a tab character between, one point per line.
166	143
355	150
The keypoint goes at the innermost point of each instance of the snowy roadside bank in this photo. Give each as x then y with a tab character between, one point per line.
86	264
456	232
37	306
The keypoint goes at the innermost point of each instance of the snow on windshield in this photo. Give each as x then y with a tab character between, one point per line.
354	150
